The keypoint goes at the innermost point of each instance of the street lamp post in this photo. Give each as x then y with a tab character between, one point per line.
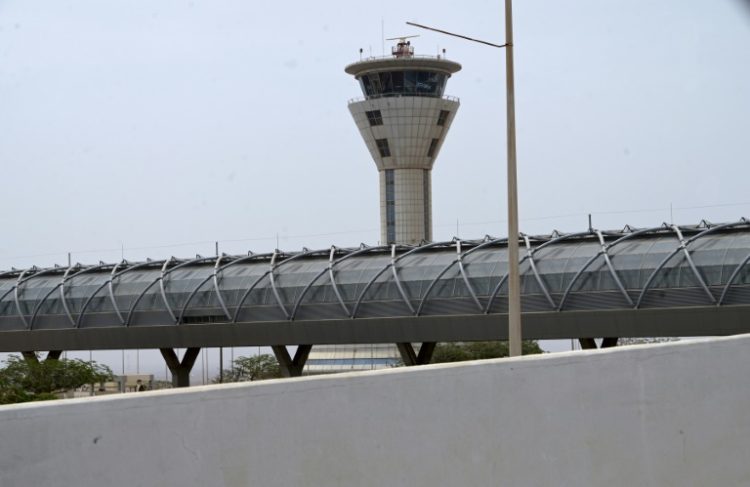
514	277
514	280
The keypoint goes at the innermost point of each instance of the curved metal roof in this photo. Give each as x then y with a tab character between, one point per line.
663	267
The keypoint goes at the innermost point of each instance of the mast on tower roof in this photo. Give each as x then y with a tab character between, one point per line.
403	47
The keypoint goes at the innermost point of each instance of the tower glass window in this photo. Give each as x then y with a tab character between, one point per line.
404	83
383	148
443	117
397	78
427	209
390	206
433	147
374	117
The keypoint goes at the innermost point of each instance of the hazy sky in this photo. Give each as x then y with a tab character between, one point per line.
163	126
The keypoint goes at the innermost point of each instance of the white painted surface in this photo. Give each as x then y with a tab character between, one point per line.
412	206
666	415
409	124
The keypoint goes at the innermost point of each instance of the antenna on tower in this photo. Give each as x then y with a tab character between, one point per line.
403	47
401	38
382	33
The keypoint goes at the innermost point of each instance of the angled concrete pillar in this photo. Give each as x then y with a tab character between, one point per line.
291	367
411	358
590	343
180	369
51	355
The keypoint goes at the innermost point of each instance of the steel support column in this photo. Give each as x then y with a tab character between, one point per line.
180	369
291	367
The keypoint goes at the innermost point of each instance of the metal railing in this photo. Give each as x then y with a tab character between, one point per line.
397	95
413	56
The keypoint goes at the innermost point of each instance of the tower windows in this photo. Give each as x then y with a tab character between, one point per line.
390	206
443	117
403	83
427	205
433	147
374	117
383	148
364	83
397	77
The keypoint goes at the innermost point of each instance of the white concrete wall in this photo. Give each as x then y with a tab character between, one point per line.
409	125
667	415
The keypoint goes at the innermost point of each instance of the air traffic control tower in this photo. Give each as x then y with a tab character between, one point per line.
404	119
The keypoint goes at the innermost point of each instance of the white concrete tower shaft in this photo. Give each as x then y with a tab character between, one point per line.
404	119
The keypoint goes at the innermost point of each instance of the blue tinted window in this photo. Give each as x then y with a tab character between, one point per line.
408	82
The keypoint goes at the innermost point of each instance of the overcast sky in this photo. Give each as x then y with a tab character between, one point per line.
134	128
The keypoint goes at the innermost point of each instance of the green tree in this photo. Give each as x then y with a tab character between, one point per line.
461	351
23	380
257	367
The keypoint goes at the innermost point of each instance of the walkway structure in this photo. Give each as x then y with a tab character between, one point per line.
663	281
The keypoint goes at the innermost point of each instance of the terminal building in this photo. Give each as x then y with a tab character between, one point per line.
403	117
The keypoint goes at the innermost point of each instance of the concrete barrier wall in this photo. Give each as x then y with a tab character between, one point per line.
667	415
